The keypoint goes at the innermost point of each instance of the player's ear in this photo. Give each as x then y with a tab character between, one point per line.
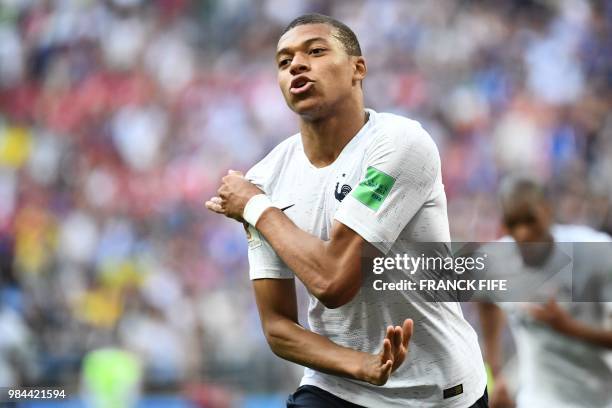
360	69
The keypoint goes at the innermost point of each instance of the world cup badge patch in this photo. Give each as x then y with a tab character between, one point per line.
253	238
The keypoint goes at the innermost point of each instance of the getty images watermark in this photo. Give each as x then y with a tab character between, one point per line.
501	271
434	273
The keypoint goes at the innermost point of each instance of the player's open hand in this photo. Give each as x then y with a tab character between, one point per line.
379	367
233	195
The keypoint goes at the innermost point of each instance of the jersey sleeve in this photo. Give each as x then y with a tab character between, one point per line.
257	175
402	169
264	263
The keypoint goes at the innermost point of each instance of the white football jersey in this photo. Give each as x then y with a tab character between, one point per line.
387	186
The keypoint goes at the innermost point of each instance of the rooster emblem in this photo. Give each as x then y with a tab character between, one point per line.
343	191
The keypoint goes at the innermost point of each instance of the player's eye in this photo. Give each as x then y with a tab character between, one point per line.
284	62
317	51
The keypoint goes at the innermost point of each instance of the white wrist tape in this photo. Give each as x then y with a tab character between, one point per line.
255	207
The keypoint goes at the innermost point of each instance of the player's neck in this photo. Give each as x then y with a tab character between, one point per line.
324	139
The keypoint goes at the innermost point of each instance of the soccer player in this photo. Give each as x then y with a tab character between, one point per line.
561	345
352	178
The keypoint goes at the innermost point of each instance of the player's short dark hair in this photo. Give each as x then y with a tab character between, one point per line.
343	33
521	188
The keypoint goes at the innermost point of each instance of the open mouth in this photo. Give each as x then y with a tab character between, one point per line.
300	85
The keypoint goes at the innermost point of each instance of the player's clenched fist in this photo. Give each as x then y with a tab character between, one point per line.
234	193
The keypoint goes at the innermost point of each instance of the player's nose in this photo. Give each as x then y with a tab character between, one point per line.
299	64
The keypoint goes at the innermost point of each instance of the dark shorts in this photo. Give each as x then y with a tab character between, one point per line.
308	396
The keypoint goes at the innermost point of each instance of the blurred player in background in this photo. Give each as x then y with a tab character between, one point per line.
352	178
561	344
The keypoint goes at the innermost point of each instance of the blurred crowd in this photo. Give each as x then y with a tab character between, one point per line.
118	118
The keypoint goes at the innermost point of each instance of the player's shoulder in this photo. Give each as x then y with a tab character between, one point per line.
571	233
275	158
395	122
578	233
500	248
400	130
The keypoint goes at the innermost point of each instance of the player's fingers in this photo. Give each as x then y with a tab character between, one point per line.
235	172
407	329
221	190
216	200
214	206
386	369
389	333
386	354
397	338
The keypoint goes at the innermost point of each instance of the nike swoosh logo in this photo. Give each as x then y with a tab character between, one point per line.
287	207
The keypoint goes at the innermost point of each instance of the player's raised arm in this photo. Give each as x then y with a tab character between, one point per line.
276	302
330	270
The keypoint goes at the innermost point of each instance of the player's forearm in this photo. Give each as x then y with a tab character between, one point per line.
292	342
310	258
302	252
584	332
493	353
492	323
